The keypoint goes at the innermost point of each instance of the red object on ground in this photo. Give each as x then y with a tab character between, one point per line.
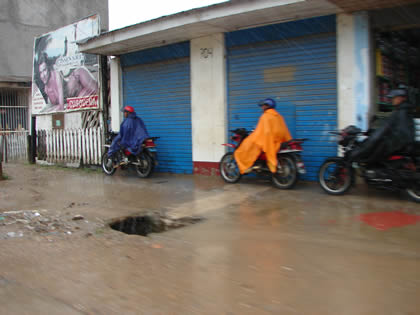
387	220
206	168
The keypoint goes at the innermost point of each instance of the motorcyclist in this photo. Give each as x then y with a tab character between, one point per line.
131	136
396	134
267	137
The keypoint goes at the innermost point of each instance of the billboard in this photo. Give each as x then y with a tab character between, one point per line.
64	79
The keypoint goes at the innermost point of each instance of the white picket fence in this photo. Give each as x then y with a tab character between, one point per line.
13	145
70	146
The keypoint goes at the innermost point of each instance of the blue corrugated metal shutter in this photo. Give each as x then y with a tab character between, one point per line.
160	94
298	72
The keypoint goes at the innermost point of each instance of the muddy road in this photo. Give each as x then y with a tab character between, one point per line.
258	250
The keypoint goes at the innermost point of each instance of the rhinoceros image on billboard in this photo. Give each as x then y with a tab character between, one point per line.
63	78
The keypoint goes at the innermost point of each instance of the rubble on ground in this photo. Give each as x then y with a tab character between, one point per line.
20	223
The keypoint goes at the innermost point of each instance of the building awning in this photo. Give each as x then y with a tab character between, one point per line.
224	17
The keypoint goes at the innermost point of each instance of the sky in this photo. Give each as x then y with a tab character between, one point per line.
128	12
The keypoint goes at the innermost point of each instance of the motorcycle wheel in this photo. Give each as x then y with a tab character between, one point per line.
229	169
286	176
414	192
144	165
107	165
335	177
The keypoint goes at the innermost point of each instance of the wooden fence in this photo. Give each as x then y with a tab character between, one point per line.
70	146
13	145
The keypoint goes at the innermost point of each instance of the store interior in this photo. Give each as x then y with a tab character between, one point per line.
397	64
397	56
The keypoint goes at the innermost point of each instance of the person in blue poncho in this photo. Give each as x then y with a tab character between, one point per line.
132	134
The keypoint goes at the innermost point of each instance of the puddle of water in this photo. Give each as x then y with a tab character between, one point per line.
146	224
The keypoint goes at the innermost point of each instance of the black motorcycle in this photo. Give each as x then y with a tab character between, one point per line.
143	163
399	172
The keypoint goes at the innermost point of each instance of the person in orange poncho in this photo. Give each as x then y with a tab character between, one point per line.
270	133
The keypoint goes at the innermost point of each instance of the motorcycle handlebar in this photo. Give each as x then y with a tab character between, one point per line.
341	132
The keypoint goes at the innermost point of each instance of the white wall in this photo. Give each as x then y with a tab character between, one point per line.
345	56
73	120
43	122
116	96
354	66
208	97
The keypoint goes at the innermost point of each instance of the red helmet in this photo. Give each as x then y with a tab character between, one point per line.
129	109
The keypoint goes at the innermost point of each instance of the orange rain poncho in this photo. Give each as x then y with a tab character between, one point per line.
270	133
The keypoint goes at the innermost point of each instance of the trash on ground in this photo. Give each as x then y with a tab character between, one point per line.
42	222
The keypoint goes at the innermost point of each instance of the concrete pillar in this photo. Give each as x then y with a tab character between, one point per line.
208	102
355	69
116	94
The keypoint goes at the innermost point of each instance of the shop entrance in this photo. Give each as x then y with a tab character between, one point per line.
396	34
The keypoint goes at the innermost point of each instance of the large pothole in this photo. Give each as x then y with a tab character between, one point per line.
150	223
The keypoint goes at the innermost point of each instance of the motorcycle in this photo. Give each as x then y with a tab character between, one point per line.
289	166
399	172
144	162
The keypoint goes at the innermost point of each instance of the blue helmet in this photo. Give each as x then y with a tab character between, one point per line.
268	101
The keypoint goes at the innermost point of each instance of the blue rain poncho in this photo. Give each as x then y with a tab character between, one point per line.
131	136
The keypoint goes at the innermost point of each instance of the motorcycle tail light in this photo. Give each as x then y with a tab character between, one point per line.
150	144
236	138
295	146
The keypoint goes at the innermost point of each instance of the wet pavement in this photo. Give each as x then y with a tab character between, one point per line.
259	250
